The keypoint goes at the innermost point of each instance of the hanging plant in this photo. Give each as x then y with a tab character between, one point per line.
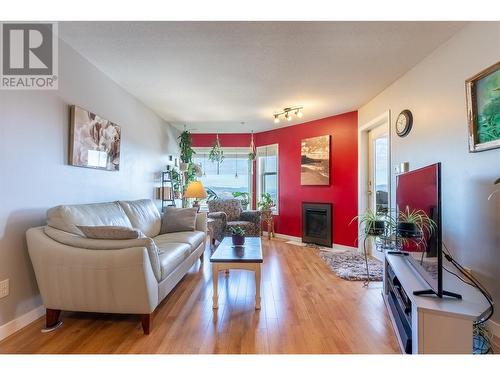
186	146
216	154
252	154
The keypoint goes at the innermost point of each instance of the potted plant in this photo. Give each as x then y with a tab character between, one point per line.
414	224
176	183
187	152
211	194
266	203
244	198
253	151
238	235
374	224
216	154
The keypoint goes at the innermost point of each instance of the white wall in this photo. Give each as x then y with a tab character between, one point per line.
434	91
34	172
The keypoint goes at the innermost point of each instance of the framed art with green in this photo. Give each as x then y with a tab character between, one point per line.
483	109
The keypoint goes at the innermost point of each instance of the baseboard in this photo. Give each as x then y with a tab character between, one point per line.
299	239
15	325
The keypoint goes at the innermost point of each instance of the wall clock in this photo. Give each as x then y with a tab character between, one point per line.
404	123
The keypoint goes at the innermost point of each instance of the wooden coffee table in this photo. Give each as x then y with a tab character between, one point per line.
226	257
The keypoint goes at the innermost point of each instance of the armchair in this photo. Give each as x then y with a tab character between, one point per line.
228	213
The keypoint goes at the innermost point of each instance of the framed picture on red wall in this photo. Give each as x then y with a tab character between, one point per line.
315	161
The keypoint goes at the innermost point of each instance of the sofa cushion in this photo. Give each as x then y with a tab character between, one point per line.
171	256
178	220
193	239
110	232
143	215
67	217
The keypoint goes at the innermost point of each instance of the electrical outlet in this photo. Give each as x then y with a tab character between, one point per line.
4	288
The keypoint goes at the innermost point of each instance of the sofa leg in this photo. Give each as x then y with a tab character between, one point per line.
52	321
146	323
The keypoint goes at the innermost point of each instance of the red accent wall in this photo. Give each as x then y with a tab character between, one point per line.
343	188
226	140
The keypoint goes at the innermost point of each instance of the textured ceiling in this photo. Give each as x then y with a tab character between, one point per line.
211	76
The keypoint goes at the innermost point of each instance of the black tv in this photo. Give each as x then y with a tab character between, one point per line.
420	189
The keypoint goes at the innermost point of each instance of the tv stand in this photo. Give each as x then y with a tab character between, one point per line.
427	292
426	324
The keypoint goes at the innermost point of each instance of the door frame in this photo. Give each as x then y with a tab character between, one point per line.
363	161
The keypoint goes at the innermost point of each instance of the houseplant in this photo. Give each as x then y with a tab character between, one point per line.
373	223
211	194
414	224
244	198
238	235
176	183
253	152
376	226
266	202
216	154
187	152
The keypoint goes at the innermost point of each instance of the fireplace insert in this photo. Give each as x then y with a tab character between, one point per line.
317	223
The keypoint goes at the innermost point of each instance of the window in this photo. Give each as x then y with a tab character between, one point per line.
267	173
234	174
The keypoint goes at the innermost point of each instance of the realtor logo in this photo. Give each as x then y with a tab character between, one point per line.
29	56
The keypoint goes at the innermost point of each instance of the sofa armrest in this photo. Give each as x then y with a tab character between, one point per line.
73	240
201	222
80	279
253	216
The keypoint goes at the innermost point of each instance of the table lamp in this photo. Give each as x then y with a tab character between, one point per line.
195	190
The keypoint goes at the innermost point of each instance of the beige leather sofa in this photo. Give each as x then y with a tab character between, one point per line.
132	276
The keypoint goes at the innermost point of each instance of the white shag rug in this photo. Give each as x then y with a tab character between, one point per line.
350	265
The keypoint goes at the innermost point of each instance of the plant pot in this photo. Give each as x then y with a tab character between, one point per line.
183	166
408	230
238	240
177	195
375	228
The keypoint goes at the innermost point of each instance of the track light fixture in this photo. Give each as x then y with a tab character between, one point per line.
287	112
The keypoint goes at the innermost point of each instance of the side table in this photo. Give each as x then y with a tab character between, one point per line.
267	217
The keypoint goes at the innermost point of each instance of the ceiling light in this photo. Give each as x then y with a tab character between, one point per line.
288	113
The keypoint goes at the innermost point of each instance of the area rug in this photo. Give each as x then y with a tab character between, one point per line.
349	265
309	245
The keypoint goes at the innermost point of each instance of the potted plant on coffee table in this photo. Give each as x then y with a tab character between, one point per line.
238	235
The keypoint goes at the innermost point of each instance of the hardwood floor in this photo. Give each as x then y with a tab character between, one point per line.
305	309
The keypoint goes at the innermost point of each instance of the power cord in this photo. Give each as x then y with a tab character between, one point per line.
473	282
482	338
